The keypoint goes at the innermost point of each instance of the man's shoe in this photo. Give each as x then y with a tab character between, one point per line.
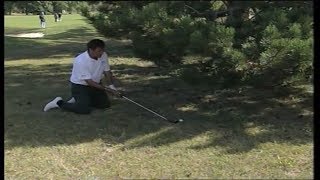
52	104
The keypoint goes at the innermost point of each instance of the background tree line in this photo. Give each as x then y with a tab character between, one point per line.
49	7
258	42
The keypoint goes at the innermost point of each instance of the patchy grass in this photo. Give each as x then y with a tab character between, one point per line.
226	133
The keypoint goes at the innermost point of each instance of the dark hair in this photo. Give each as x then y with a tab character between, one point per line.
94	43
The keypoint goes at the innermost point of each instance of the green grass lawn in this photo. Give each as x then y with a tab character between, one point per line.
227	133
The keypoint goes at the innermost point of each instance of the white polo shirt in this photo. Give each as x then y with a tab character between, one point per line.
84	67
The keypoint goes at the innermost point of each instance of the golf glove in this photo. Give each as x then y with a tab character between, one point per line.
116	92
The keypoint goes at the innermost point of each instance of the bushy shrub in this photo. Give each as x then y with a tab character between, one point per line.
285	55
198	42
306	26
294	31
219	47
117	23
192	75
273	46
161	38
225	63
250	49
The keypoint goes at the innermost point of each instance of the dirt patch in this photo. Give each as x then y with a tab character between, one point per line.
27	35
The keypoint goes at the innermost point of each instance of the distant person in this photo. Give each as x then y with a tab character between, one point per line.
59	16
55	17
42	20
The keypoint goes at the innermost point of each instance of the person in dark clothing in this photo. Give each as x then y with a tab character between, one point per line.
55	17
59	16
42	20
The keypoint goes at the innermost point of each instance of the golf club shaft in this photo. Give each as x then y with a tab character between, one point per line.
144	107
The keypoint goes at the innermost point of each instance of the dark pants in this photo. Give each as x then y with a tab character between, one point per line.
86	98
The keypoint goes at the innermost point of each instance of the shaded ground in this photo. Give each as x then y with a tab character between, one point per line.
226	112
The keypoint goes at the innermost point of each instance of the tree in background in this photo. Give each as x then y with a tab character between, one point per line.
8	7
34	7
265	42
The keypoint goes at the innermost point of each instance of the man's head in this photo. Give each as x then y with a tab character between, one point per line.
95	48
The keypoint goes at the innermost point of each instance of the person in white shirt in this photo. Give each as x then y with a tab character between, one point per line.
86	87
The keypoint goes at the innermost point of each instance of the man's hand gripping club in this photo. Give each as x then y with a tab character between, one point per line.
109	88
113	90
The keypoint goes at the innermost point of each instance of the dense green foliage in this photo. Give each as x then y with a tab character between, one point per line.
265	42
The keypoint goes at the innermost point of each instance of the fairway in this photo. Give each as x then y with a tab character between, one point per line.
227	133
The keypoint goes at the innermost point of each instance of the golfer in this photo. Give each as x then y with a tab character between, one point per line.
86	87
42	20
55	15
59	16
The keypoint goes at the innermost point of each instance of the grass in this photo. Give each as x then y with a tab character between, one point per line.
227	133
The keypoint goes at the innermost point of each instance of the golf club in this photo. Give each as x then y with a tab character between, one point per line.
170	120
126	98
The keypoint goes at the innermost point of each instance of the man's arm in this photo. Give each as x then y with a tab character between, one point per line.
110	81
91	83
109	77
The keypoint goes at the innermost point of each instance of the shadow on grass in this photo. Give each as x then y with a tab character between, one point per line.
67	43
235	121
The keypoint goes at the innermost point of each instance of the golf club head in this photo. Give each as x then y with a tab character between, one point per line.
175	121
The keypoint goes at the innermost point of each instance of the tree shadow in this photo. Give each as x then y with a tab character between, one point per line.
235	121
27	125
259	119
242	120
